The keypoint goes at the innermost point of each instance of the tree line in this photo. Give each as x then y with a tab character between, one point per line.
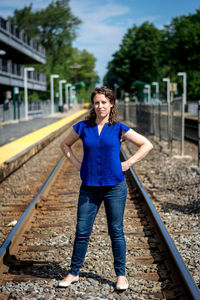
148	54
55	28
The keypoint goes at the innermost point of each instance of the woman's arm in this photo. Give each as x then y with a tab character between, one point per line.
66	148
139	140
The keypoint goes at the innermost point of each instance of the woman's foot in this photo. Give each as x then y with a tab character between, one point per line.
122	283
69	279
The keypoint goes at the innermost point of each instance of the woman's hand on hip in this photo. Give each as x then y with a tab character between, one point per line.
125	166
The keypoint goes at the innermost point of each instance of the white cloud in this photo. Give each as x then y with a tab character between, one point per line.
102	28
101	31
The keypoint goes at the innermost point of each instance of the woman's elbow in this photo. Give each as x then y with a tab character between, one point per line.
150	146
63	146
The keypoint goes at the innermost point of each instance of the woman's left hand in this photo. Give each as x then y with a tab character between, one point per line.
125	166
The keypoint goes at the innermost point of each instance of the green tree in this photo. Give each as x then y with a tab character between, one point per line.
55	28
148	54
181	46
138	57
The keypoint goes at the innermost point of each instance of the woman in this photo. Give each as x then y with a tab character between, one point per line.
103	179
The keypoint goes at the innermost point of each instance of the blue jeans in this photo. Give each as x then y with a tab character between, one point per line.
90	199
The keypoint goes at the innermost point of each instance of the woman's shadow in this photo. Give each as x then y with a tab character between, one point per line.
23	270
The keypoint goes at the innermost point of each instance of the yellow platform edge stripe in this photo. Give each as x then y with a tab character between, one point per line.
11	149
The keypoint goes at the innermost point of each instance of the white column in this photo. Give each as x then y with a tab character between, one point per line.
60	92
148	87
67	94
52	92
26	70
184	85
157	90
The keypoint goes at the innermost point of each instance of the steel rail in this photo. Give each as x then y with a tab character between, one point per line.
9	241
187	278
183	271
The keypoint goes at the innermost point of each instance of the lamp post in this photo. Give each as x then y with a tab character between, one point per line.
67	94
73	90
71	94
168	109
60	92
168	88
115	89
148	87
75	67
157	90
26	70
184	85
184	101
52	92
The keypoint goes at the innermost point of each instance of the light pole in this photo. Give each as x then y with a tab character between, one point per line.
73	90
67	94
184	85
148	87
157	90
26	70
75	67
168	88
60	92
52	92
71	94
168	109
184	101
115	89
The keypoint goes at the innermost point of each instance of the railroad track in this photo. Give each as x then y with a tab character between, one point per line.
39	247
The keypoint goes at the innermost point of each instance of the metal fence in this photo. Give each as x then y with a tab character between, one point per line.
9	112
163	120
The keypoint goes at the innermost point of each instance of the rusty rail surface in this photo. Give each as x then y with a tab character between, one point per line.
21	225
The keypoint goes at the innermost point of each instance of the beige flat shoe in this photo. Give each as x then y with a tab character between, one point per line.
65	283
122	287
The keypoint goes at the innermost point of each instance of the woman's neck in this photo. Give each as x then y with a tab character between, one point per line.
102	121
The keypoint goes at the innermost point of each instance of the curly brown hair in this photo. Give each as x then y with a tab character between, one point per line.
113	111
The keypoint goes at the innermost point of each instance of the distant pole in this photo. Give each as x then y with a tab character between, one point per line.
75	67
157	90
61	96
184	86
148	87
182	125
67	94
71	87
52	92
14	104
115	89
26	70
168	108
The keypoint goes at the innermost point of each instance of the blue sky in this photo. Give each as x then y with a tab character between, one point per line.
106	21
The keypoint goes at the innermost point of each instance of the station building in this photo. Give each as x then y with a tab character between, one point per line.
17	50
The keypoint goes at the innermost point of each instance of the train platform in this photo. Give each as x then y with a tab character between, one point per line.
13	130
21	140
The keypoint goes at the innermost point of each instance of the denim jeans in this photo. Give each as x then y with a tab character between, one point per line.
90	199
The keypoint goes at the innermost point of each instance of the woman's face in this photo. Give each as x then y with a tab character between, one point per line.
102	106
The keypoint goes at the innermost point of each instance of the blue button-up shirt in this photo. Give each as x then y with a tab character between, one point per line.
101	165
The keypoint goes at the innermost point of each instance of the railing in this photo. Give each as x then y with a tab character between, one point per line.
9	67
9	29
154	119
9	112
